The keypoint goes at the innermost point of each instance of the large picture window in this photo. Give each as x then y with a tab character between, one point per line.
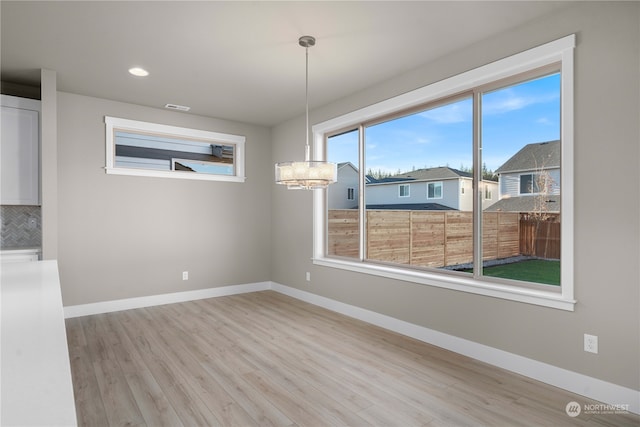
488	157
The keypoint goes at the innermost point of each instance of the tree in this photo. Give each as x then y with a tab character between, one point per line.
540	220
379	174
488	174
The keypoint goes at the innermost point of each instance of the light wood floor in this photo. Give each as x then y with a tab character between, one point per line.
267	359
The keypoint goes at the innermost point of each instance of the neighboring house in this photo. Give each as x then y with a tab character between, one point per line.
344	193
443	186
530	179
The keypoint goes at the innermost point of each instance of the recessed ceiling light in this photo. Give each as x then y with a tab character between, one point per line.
139	72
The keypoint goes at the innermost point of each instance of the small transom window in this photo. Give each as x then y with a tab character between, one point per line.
150	149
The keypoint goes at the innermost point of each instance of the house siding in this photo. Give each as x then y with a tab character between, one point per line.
465	200
493	188
337	193
378	194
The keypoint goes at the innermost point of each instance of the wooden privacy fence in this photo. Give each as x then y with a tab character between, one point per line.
540	238
423	238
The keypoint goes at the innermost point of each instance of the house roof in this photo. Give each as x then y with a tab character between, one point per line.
525	204
372	180
429	174
347	164
540	155
412	207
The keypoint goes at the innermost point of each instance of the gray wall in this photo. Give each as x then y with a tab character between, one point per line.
606	239
126	236
49	163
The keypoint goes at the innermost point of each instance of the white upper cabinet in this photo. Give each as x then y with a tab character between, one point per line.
19	151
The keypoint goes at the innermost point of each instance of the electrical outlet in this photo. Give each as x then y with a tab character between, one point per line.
591	343
308	276
185	275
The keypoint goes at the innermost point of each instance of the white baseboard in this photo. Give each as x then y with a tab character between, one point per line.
152	300
574	382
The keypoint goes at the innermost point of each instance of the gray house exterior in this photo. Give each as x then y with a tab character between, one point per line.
423	189
440	185
343	194
530	177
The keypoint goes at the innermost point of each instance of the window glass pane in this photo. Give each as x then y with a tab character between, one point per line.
521	148
416	213
434	190
343	226
147	151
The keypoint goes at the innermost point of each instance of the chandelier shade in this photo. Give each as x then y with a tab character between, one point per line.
308	174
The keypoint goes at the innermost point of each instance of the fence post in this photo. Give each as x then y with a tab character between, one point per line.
446	250
410	237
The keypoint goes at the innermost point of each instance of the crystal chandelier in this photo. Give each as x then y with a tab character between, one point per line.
309	174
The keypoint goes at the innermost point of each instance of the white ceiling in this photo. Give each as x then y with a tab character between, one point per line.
240	60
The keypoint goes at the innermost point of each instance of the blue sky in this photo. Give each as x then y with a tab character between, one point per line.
511	118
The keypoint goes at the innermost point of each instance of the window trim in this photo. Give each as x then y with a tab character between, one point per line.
114	123
558	51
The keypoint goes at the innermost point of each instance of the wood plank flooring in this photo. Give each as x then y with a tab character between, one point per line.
264	359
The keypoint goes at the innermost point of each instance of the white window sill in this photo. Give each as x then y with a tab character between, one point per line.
174	174
496	290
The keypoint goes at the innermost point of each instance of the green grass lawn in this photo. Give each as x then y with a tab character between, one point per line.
535	270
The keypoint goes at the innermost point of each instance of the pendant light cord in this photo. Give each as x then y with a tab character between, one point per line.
307	150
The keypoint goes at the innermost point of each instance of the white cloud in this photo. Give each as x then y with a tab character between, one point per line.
452	113
506	100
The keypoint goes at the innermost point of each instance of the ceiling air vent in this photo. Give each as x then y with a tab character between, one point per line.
177	107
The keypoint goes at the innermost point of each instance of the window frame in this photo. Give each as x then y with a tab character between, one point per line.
561	52
487	192
408	192
534	183
113	124
351	193
441	190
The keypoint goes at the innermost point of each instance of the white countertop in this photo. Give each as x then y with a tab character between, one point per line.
19	250
36	387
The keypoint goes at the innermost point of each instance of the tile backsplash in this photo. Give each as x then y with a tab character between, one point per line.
21	227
